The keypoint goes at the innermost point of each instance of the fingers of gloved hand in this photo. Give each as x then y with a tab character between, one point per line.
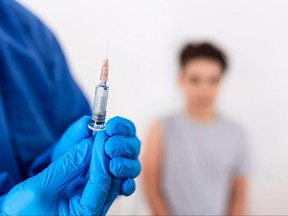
120	126
64	170
97	187
114	191
122	146
128	186
72	136
123	168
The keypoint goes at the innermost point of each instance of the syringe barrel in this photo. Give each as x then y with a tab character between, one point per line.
100	104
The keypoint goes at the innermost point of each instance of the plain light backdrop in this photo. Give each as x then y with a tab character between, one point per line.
145	37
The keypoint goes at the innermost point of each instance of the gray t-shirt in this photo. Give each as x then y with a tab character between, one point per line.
199	163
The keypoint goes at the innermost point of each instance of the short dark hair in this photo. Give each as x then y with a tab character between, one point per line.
194	51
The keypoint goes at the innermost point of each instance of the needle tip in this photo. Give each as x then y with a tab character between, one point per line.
107	48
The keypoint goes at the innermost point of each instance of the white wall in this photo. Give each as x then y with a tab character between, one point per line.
144	39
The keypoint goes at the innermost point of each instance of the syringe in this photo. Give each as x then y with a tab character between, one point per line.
97	122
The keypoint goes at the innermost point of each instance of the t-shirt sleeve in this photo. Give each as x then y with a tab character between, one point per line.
242	155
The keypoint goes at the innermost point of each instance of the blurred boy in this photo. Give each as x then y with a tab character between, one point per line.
195	161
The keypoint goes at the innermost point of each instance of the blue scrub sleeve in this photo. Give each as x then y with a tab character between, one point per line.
36	71
6	184
70	102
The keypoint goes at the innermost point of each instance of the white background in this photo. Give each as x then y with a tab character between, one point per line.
145	37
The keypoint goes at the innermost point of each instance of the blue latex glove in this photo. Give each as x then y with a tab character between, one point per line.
122	144
61	190
118	148
44	194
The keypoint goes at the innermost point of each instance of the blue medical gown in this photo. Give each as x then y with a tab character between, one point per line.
38	97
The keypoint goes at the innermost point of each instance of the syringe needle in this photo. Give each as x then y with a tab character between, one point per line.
107	48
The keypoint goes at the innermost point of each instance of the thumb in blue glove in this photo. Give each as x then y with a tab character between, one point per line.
77	132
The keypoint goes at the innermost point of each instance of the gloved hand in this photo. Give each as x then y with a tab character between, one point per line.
118	149
123	143
61	190
44	193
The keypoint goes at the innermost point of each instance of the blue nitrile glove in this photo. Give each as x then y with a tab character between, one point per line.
44	194
60	189
122	143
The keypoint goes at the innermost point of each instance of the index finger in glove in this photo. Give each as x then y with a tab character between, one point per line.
120	126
